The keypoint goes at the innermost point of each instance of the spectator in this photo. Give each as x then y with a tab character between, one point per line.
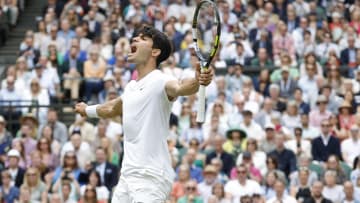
94	71
299	145
69	163
191	193
291	118
316	194
228	162
178	188
251	128
308	132
268	144
350	147
242	186
318	115
8	192
325	145
302	190
48	158
332	191
5	136
333	163
95	181
236	142
33	182
280	194
205	187
257	157
286	158
195	171
59	131
349	195
84	128
218	194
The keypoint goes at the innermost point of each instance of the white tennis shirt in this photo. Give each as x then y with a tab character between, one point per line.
146	114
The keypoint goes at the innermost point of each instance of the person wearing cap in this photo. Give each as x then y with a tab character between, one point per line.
268	143
254	172
109	82
210	178
252	129
346	117
350	147
17	173
94	71
319	114
299	145
5	137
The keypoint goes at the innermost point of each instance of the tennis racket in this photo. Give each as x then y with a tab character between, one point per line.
206	30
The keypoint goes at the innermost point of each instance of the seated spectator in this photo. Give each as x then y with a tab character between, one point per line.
69	163
268	143
291	118
109	82
5	136
222	177
18	145
355	173
84	128
302	191
71	72
95	181
218	194
226	158
194	131
325	145
79	147
178	187
236	141
317	189
29	50
50	159
333	163
332	190
205	187
191	195
69	190
299	145
94	71
280	194
8	192
262	59
33	182
304	162
267	187
252	129
321	113
350	147
286	63
47	132
242	186
90	195
349	194
58	128
285	157
36	96
257	157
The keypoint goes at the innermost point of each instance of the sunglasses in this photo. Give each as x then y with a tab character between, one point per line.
241	171
190	188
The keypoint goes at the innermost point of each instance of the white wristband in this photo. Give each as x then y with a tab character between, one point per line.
91	111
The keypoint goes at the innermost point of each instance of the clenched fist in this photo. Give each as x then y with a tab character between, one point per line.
80	108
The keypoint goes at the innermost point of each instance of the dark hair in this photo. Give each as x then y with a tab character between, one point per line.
93	171
356	162
160	41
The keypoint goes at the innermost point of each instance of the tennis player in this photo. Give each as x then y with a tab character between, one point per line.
145	107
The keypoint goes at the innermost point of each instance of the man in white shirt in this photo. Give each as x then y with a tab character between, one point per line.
252	129
145	107
349	196
322	50
205	187
280	195
350	147
242	186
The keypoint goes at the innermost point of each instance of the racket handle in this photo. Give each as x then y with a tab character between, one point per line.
200	117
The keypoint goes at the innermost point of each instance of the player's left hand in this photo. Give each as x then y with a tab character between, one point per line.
205	76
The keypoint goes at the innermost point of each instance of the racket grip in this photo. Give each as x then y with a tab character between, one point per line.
200	117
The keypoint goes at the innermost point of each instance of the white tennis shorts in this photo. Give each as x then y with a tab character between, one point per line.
141	189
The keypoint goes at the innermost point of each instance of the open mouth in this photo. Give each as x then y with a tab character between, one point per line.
133	48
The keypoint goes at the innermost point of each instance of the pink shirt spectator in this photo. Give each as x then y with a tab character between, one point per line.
316	117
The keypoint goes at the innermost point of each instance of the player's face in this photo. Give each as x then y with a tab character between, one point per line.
141	49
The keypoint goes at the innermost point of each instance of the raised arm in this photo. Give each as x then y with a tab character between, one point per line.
109	109
188	86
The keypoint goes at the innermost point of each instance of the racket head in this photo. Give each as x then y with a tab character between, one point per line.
206	31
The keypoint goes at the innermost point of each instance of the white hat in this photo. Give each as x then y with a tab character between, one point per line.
13	153
269	126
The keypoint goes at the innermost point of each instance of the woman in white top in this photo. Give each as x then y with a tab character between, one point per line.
36	96
291	117
331	190
258	157
101	191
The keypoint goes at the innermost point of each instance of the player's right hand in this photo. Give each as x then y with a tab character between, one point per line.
80	108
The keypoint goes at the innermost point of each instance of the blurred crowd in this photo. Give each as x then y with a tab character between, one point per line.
288	133
9	13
